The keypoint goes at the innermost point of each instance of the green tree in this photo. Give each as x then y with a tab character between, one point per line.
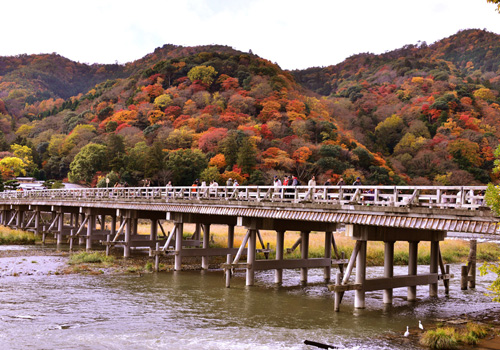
230	145
388	133
115	152
186	165
211	174
136	163
204	73
247	154
87	162
113	179
329	159
156	161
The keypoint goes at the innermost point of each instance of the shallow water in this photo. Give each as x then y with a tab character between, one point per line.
193	310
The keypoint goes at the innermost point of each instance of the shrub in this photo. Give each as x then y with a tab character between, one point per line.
441	338
89	258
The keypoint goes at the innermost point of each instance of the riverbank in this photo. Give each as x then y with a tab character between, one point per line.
452	250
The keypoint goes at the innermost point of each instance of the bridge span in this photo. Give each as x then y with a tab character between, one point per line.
110	216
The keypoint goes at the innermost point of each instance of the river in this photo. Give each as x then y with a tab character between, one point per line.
193	310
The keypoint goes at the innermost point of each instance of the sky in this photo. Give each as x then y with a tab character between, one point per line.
294	34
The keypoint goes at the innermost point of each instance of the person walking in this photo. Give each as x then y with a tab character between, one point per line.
341	182
357	182
229	182
312	182
277	181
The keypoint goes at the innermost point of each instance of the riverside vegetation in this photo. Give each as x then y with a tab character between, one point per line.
453	251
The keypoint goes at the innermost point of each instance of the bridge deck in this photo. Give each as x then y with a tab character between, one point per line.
460	209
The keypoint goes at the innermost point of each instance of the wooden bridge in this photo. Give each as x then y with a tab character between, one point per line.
369	213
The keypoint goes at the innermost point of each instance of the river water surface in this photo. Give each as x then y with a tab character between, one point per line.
193	310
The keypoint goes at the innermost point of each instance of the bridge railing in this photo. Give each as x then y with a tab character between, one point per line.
429	196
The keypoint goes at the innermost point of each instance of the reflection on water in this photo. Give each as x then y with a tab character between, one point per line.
193	310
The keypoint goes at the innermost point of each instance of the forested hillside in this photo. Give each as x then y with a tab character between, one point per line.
421	114
431	111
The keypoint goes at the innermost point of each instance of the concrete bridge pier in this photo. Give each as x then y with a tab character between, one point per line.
388	269
153	234
90	228
389	235
206	244
37	222
412	268
433	269
179	231
20	218
251	255
60	227
280	247
329	242
304	255
359	296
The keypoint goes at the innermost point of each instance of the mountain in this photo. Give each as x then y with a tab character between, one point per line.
423	114
432	111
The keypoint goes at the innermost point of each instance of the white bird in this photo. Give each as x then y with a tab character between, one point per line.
407	333
420	325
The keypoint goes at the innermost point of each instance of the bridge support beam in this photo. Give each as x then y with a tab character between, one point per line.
153	234
433	287
206	244
251	255
359	296
90	229
304	254
388	269
412	268
280	247
327	271
364	233
178	245
60	227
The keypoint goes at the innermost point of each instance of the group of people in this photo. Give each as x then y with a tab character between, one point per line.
293	181
287	181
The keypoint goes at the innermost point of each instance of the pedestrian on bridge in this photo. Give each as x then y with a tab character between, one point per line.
312	182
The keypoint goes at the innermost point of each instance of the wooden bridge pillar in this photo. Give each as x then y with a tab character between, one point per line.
328	254
197	232
359	296
153	234
20	219
60	227
206	243
251	254
280	247
388	269
433	287
304	254
178	245
81	238
412	268
37	221
128	234
90	229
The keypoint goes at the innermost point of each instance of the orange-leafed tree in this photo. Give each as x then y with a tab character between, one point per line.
275	158
218	161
